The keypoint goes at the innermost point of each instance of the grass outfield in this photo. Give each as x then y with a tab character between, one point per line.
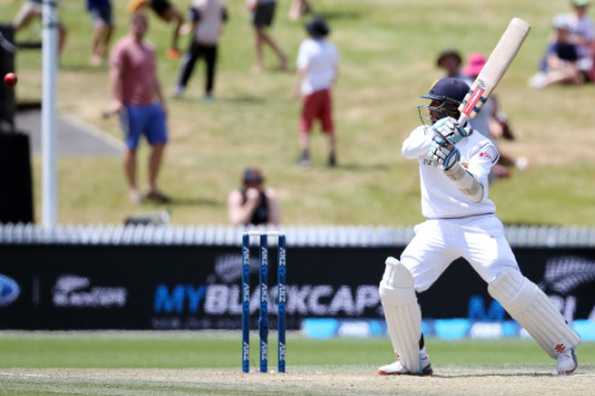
207	363
388	49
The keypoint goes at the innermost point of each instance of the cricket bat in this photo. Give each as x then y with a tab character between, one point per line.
494	68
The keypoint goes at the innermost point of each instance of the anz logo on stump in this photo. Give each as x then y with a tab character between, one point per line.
9	290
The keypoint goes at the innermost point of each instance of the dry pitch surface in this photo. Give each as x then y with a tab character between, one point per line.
300	381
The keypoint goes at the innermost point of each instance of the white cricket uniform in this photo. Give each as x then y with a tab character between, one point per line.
455	226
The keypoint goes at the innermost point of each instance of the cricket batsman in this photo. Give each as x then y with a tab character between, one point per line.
454	164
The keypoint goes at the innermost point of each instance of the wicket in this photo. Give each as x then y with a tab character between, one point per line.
263	320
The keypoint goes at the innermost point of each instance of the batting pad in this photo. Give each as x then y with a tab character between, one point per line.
533	310
402	313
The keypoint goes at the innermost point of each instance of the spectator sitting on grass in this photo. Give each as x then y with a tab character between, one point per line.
564	64
581	27
317	71
253	203
207	18
581	35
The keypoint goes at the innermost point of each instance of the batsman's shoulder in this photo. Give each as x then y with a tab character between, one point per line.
423	130
484	148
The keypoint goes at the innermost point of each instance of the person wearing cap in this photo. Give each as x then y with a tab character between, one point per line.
582	35
564	63
253	203
454	163
207	18
581	24
263	15
317	64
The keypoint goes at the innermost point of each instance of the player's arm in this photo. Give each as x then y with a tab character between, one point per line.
467	182
418	143
470	178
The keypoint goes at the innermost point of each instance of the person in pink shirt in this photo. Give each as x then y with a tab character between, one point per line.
139	101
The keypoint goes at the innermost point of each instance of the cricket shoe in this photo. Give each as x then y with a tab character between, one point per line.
566	363
396	368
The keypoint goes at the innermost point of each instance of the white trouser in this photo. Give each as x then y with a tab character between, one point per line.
479	240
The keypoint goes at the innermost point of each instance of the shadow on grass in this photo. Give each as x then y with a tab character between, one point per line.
339	14
243	99
81	67
487	375
530	224
355	167
192	201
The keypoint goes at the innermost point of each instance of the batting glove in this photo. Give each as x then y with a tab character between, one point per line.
449	129
444	156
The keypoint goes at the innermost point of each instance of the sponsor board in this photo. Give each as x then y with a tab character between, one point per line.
9	290
198	287
76	291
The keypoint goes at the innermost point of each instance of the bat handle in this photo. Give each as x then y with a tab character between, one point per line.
463	118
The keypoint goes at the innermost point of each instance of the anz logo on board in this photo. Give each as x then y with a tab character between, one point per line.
9	290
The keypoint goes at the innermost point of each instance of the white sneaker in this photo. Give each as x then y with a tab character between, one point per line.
521	163
396	368
566	363
538	81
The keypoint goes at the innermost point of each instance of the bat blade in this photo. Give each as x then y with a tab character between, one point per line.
501	57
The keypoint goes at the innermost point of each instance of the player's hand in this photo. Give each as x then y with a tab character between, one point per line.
442	155
449	129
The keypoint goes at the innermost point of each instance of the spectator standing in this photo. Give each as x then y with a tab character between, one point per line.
317	64
30	10
263	15
167	12
102	14
207	18
253	203
139	101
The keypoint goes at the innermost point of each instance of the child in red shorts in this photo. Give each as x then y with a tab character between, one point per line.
317	65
